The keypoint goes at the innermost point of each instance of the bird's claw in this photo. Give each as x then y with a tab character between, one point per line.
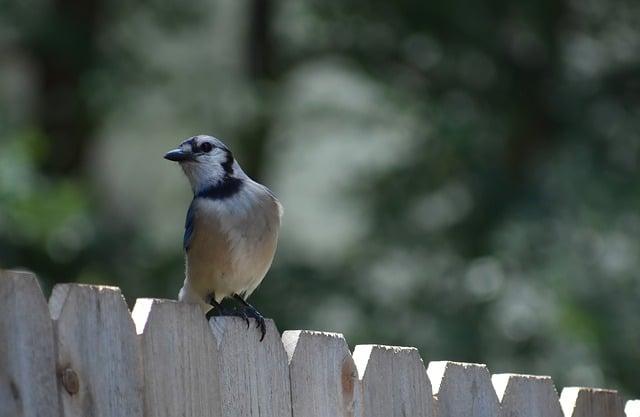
244	316
245	312
263	329
260	324
250	311
216	311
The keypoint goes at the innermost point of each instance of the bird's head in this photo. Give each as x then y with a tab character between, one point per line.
205	160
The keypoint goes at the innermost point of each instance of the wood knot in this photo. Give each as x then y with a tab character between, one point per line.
70	381
348	378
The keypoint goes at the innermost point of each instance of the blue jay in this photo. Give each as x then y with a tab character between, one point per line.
231	230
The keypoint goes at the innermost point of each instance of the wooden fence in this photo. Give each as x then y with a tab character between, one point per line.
85	355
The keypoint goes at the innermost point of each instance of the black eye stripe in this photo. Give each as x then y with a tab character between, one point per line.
202	147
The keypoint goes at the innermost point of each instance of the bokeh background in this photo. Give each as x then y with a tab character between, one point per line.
459	176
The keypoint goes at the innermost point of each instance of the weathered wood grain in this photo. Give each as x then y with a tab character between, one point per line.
323	375
254	375
393	382
98	352
28	386
526	395
591	402
632	409
463	389
89	361
180	360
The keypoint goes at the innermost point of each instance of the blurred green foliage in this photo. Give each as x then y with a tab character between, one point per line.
458	176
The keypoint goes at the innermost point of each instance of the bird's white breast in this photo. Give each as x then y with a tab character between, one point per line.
234	241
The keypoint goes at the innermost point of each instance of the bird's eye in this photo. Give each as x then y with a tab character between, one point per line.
206	147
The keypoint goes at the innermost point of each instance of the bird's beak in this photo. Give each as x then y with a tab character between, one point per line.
178	155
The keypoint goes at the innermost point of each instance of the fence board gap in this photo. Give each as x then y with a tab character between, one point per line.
463	389
28	385
393	381
591	402
180	360
323	375
98	353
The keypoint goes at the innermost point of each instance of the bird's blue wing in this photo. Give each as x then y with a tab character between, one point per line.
188	226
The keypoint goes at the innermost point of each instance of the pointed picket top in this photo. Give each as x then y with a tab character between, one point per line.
463	389
323	375
180	359
28	385
254	374
591	402
98	353
526	395
393	381
632	409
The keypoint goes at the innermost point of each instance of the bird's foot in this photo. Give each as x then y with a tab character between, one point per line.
219	310
216	311
243	314
250	311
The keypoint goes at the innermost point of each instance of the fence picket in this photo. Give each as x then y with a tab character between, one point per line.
526	395
254	375
28	386
323	375
393	382
632	409
591	402
98	352
85	355
180	360
463	389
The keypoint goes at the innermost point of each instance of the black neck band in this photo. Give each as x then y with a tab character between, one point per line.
228	187
227	165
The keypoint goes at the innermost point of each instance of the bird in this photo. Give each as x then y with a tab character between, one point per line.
230	233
